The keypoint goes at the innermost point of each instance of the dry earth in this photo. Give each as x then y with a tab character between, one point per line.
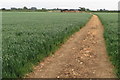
82	56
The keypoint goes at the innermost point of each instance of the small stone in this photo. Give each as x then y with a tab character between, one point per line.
81	62
87	51
73	48
86	55
78	60
81	57
72	69
93	72
90	56
58	76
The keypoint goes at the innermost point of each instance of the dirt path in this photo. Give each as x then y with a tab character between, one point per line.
82	56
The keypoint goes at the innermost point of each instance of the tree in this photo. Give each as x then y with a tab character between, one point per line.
87	9
82	8
101	10
104	9
44	9
3	9
25	8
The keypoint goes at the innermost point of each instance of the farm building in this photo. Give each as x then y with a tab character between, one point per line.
70	10
33	8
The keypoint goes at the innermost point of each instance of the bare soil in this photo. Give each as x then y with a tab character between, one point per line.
83	55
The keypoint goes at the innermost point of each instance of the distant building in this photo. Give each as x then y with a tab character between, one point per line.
19	8
33	8
13	8
70	10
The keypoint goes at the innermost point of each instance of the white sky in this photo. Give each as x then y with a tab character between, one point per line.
91	4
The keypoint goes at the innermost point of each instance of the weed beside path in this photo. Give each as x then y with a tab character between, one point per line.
111	35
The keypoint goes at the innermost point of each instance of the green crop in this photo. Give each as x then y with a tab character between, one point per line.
110	22
28	37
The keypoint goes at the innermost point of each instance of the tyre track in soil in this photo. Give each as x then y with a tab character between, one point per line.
83	55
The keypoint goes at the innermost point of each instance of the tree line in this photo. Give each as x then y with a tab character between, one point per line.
55	9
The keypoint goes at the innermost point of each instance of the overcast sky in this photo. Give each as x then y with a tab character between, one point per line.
91	4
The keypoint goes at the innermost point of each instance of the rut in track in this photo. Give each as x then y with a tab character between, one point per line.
82	56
